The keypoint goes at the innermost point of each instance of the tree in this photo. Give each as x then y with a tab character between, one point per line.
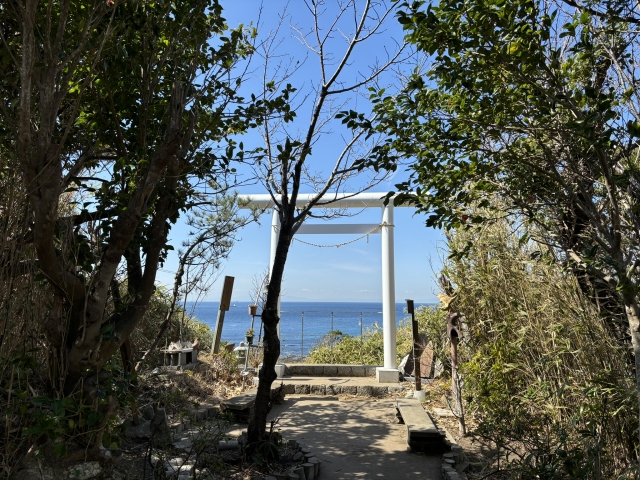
210	241
117	113
288	165
534	103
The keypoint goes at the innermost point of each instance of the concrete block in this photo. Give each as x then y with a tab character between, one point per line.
344	370
387	375
330	371
289	389
395	389
370	371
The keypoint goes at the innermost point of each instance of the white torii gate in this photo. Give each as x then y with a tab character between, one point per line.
389	372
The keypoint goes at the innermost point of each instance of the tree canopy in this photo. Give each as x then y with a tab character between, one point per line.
119	116
534	103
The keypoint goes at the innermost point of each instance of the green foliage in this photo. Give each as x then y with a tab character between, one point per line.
68	420
145	334
540	369
530	103
369	349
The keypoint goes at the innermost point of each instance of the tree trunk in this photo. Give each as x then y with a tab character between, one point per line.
270	319
633	315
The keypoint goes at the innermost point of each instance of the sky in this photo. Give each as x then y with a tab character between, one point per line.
350	273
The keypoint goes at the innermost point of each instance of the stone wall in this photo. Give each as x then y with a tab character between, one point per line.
319	370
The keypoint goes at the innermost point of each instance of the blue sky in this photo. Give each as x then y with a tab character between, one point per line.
348	273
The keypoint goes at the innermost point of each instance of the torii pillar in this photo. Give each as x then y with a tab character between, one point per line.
389	372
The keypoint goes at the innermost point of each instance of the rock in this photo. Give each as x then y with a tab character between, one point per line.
183	445
147	412
212	411
32	472
177	427
141	431
403	364
297	456
160	428
349	389
365	391
379	390
334	390
318	390
302	389
156	371
83	471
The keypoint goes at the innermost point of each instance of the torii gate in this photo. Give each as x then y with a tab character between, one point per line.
389	372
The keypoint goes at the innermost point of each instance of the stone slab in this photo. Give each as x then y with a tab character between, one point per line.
417	420
241	402
387	375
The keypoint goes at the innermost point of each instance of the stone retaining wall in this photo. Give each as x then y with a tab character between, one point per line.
362	390
320	370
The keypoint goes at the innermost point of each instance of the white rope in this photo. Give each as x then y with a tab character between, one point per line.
338	245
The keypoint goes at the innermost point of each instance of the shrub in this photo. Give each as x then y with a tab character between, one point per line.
542	374
369	349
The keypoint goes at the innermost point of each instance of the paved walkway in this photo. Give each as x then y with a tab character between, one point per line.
354	438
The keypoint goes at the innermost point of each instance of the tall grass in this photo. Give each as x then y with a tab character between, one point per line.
542	375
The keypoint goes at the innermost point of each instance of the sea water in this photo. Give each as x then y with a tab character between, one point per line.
302	324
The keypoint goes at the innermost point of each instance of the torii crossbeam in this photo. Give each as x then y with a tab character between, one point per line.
389	372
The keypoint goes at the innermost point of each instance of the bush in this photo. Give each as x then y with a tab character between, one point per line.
369	349
542	374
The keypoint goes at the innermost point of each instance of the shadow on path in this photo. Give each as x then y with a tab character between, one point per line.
354	438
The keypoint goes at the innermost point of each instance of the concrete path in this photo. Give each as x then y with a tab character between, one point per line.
354	438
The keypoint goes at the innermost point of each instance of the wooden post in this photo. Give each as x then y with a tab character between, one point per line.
454	332
225	302
417	347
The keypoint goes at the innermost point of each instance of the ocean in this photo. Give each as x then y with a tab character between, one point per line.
302	324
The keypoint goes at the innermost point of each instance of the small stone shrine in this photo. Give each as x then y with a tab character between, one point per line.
180	355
